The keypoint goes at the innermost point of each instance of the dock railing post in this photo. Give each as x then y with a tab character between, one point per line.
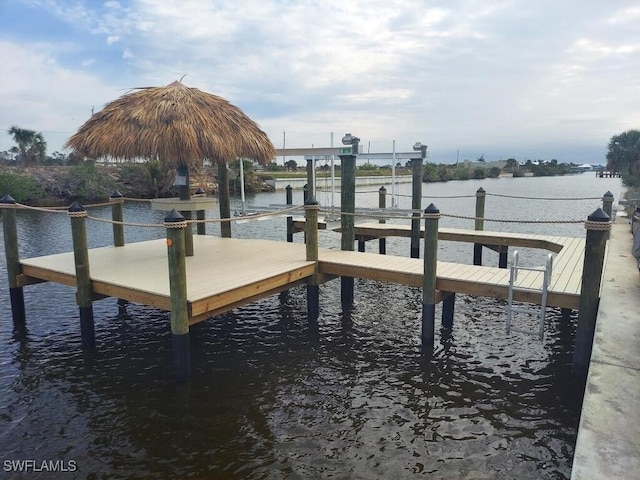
479	224
201	226
185	194
311	208
607	204
117	200
416	205
175	224
224	199
598	226
10	230
289	201
84	294
382	203
347	219
431	216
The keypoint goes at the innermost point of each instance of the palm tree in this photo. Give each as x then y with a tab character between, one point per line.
624	152
31	145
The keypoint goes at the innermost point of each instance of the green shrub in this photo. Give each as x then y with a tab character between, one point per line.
85	182
20	187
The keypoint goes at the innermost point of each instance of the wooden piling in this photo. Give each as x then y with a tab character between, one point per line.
11	251
416	205
175	224
607	204
201	227
224	197
382	203
116	199
347	201
311	208
311	185
481	195
448	307
598	226
432	216
289	201
84	294
185	194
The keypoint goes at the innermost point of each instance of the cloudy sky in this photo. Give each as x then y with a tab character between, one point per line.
504	78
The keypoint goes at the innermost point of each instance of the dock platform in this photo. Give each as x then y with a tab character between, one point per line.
225	273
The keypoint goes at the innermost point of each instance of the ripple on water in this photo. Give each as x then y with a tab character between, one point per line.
272	398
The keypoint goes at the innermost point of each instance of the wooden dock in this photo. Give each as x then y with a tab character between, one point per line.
225	273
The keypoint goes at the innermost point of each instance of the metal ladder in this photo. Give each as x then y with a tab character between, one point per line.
539	313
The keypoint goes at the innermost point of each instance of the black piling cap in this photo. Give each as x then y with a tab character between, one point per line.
311	201
200	191
116	194
608	194
288	187
75	207
431	209
599	216
382	189
173	216
480	190
8	199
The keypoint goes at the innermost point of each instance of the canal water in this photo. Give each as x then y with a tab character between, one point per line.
272	399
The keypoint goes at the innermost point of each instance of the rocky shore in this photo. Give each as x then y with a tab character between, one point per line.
89	182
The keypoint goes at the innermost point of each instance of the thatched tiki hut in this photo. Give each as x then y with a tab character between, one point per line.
177	124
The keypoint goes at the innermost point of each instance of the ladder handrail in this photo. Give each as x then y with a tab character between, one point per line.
546	281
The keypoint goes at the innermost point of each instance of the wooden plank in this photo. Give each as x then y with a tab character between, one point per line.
43	273
376	230
254	290
225	273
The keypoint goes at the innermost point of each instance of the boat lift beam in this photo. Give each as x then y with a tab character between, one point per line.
318	152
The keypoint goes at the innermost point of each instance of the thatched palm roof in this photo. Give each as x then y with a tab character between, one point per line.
176	123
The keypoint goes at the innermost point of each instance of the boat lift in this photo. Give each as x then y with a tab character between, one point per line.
314	154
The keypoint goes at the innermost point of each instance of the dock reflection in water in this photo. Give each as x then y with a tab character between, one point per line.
271	399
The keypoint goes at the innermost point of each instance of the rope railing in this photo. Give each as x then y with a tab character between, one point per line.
543	198
564	199
63	210
371	213
198	221
411	215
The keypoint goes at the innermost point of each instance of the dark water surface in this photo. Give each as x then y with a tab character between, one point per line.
269	397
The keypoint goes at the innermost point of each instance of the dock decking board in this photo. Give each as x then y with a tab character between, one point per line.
226	273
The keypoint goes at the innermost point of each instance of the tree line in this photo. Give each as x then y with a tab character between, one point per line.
623	156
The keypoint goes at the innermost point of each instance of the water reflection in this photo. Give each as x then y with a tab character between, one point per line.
271	397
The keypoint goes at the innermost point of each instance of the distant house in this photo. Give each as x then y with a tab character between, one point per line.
585	167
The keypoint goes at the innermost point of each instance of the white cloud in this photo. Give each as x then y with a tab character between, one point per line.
446	73
42	95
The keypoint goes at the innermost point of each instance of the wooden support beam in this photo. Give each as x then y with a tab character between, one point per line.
176	225
14	270
84	292
432	216
598	226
